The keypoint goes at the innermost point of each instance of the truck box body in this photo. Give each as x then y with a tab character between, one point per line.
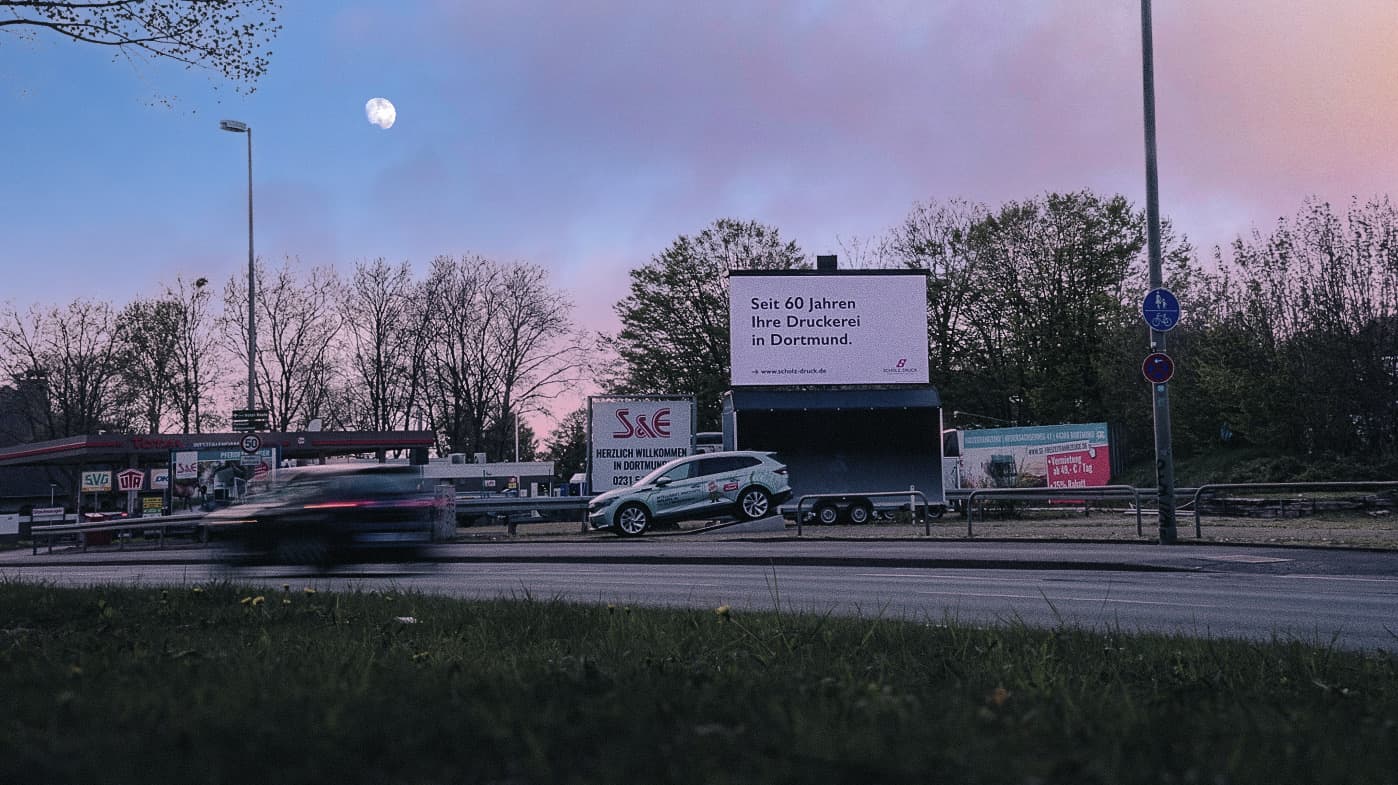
844	442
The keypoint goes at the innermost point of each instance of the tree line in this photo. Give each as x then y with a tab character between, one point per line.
1289	339
462	352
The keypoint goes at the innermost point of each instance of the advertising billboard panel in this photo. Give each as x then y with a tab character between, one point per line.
629	437
1053	456
218	473
854	327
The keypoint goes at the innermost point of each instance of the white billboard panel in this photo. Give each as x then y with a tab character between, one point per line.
633	436
834	328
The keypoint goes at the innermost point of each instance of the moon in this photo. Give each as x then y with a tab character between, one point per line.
380	112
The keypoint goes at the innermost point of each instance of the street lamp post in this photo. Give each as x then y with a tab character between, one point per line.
243	128
959	414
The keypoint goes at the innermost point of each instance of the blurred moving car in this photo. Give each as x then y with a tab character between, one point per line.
744	483
327	514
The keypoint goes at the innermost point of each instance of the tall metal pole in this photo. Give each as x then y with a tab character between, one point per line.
252	312
1164	459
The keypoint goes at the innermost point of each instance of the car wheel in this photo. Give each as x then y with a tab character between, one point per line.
632	520
859	513
301	548
826	514
754	503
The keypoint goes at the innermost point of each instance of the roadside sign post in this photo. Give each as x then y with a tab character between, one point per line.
1158	368
131	480
94	482
251	419
1160	395
1161	310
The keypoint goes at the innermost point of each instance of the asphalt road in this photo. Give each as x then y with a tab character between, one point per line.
1330	597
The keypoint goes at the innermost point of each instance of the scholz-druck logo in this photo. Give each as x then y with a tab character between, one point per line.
656	426
900	367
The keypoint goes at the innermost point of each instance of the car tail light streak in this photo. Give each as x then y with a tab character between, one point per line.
335	505
344	505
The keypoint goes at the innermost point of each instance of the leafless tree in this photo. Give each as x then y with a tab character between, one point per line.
147	331
384	345
500	337
538	350
463	378
73	354
194	367
297	325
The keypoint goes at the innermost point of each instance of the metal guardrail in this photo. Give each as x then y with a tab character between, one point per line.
512	507
509	507
1096	492
160	523
908	494
1210	488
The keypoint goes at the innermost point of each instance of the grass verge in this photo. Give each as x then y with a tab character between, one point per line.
216	683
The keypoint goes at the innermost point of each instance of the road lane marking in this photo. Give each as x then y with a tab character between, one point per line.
969	578
1340	578
1247	558
1065	599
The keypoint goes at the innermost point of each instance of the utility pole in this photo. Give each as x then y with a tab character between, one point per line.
1160	394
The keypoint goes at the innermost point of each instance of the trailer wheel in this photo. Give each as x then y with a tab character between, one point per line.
826	514
860	513
754	503
632	520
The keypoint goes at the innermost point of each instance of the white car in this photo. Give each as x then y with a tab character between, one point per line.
744	483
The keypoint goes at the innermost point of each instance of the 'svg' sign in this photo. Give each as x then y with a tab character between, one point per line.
630	437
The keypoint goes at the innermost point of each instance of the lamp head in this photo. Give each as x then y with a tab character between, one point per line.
234	126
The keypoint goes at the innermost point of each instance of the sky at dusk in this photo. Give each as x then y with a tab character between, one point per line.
586	136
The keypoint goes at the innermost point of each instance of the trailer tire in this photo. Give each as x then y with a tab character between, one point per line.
826	514
860	513
632	520
754	503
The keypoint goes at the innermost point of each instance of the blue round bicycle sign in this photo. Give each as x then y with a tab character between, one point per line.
1161	310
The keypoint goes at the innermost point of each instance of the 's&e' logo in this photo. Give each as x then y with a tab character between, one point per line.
657	427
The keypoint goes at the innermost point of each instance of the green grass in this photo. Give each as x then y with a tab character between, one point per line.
208	684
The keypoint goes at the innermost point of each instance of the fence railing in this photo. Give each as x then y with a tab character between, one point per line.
1267	487
513	510
1050	494
46	534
